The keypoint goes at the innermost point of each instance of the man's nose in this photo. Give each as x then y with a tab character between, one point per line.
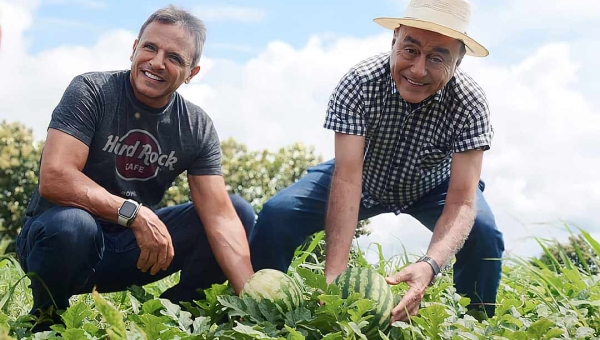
419	67
158	62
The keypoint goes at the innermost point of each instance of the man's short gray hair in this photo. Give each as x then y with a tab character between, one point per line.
172	15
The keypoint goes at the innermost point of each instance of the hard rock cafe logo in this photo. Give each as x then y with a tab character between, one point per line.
139	156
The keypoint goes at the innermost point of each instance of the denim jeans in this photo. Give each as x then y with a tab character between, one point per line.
298	211
71	252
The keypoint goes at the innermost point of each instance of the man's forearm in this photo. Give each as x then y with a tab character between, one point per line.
232	252
71	187
451	231
342	217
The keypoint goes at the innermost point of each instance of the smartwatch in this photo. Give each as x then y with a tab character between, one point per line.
127	212
434	266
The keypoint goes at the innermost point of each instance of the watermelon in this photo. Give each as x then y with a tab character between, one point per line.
275	286
371	285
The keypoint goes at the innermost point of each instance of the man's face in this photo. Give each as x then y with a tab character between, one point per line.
422	62
161	62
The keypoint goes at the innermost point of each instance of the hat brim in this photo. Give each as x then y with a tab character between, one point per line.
473	47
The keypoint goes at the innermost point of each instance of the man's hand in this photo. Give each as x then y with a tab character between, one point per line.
154	241
417	276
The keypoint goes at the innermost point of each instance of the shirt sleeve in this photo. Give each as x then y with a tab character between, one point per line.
208	160
345	110
78	111
477	132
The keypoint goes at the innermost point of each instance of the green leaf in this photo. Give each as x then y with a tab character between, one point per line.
75	334
554	333
359	308
201	325
250	331
356	329
312	280
76	314
593	243
152	306
584	332
294	334
539	328
183	318
334	336
297	316
237	306
91	328
271	312
117	330
151	325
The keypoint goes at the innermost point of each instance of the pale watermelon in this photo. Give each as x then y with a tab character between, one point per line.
275	286
371	285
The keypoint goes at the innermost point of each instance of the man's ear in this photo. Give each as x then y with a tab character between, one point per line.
396	30
193	73
135	43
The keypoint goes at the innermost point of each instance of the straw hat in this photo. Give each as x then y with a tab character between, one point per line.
448	17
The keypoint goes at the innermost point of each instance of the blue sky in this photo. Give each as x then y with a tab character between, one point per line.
82	22
269	67
242	27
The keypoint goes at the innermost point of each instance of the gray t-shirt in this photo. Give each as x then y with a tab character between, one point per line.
135	151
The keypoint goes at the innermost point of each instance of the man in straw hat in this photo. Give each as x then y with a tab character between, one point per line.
410	132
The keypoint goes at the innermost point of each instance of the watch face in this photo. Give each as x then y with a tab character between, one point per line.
127	209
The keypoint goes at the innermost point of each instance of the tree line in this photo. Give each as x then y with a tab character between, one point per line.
256	175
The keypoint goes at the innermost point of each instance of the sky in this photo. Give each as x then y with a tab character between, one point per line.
268	68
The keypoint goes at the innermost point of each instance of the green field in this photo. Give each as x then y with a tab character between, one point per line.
557	300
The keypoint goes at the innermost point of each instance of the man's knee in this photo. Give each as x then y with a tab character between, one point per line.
67	225
277	210
244	211
486	235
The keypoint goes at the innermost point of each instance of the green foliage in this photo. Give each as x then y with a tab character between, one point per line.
19	165
534	302
257	175
576	253
254	175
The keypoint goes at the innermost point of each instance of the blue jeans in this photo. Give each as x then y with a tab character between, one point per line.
71	252
298	211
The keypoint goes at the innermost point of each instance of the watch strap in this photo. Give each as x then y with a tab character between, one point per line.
434	266
122	221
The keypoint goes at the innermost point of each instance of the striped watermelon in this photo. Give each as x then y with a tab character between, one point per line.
275	286
371	285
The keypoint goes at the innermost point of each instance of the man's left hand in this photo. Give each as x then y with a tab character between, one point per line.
417	276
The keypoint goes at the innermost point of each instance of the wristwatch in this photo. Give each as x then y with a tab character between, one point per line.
436	269
127	212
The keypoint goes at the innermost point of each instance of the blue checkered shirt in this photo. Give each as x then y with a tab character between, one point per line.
408	148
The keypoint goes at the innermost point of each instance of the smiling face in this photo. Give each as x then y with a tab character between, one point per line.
161	62
422	62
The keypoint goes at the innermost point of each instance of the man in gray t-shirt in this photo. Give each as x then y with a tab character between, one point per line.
115	143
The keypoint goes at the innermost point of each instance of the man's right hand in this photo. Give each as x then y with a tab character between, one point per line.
154	241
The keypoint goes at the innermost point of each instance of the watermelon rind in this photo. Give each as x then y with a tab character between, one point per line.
275	286
370	285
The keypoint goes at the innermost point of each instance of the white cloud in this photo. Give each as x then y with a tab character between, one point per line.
230	13
542	166
92	4
33	84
